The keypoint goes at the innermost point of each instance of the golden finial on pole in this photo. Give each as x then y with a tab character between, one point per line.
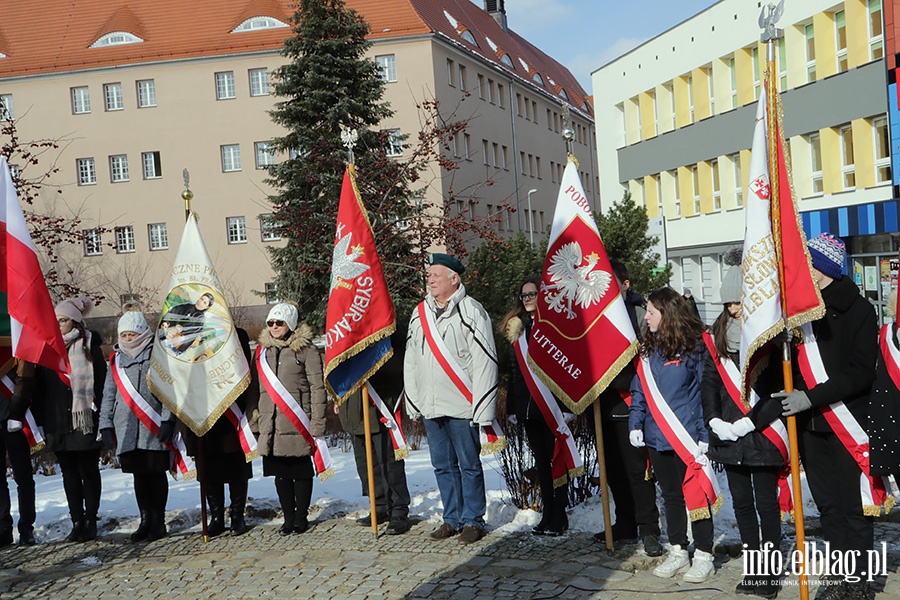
187	194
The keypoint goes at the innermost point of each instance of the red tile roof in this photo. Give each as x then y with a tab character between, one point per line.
49	36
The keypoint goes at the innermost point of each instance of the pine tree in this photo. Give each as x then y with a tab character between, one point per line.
328	83
624	232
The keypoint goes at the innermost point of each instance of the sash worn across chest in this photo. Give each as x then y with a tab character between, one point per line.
391	422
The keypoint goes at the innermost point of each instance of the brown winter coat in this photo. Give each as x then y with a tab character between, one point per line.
298	366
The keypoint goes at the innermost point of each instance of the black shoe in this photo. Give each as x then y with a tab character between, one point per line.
216	527
301	527
215	501
143	529
286	529
89	532
746	586
238	524
768	588
398	526
652	547
366	521
6	538
157	529
26	538
77	530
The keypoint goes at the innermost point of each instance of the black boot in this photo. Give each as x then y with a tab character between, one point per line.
215	502
90	530
157	529
238	491
77	530
143	529
285	490
303	492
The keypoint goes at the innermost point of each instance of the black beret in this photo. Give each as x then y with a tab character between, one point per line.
448	261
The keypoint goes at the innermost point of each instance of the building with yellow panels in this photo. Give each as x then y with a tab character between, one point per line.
675	121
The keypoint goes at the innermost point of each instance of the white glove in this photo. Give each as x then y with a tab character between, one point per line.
702	459
743	427
703	446
568	417
723	430
13	426
512	419
636	437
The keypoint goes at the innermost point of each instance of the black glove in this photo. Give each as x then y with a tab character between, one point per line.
785	336
108	439
166	432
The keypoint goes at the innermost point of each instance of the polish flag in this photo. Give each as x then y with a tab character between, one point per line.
35	333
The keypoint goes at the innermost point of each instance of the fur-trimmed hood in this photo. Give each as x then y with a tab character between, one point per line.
299	339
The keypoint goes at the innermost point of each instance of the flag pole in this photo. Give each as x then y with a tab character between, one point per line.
187	195
770	35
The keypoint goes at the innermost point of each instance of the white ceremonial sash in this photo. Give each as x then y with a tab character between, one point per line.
241	425
34	433
401	451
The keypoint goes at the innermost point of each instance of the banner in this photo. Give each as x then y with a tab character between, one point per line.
197	367
360	318
582	335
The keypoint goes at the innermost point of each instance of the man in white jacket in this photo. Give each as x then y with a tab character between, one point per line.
450	374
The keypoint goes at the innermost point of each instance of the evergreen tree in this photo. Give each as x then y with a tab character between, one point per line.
328	83
624	232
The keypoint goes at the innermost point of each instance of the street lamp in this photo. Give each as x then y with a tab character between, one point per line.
531	217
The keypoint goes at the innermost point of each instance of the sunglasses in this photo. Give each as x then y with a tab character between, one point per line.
528	296
274	323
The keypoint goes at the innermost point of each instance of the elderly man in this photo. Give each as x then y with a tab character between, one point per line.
450	374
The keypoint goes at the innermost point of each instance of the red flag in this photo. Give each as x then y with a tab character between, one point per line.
582	335
35	333
360	317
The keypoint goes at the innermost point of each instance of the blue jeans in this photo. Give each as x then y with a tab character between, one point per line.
456	457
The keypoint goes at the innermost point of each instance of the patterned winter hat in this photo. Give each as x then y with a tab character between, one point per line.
827	252
133	320
284	312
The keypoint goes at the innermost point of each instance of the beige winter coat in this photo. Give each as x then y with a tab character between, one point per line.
297	364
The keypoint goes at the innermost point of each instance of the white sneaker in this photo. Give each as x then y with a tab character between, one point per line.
675	561
701	569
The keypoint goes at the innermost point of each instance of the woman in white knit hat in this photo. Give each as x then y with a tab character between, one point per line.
140	451
69	411
291	357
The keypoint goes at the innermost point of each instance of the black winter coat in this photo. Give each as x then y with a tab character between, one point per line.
518	397
387	381
884	419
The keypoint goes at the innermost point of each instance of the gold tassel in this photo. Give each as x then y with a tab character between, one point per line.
494	447
251	456
401	454
190	475
38	447
326	474
560	481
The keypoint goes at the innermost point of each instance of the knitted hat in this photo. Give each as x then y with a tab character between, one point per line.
451	262
827	252
132	320
284	312
75	308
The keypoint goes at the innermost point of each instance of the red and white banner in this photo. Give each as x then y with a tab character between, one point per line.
391	423
492	439
34	433
566	462
242	428
582	335
700	486
35	333
776	432
290	407
151	419
874	490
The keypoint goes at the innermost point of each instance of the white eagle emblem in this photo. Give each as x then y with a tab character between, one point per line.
574	282
344	267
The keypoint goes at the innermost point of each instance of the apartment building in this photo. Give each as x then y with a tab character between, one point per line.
675	123
138	92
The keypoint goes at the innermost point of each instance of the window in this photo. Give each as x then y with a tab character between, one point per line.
876	30
146	93
269	228
112	95
677	194
260	22
738	180
467	35
6	108
810	53
237	230
690	95
848	167
462	78
717	189
451	73
387	67
782	65
484	152
504	156
125	239
496	156
815	162
81	101
492	96
265	154
225	85
840	40
271	293
659	194
467	146
259	82
231	158
500	101
733	72
481	86
159	236
116	38
93	245
87	171
695	188
670	91
152	165
710	89
757	85
882	150
641	199
456	144
394	143
118	168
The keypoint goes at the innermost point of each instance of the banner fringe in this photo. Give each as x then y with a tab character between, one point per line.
494	447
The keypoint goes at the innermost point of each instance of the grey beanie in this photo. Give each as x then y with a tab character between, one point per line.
731	285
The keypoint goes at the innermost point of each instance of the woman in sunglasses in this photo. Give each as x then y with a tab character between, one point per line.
521	407
292	398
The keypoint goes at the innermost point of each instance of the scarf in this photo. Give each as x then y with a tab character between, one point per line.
81	380
137	345
733	335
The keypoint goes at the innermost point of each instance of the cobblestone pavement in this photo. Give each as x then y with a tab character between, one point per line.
337	559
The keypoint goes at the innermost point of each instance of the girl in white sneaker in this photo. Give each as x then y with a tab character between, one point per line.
666	415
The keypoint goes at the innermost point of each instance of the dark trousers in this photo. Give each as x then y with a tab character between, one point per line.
15	445
295	496
626	470
754	490
151	490
81	481
670	473
541	442
391	491
833	477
